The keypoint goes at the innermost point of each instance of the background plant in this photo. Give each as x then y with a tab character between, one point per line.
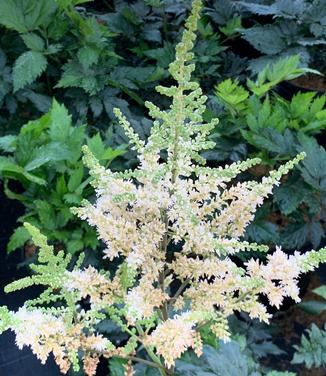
275	129
160	296
45	158
311	350
293	27
93	56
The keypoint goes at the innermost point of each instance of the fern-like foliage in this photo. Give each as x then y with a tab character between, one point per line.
312	349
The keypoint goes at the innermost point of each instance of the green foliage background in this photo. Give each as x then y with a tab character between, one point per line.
93	56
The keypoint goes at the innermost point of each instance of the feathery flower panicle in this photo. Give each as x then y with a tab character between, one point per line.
170	225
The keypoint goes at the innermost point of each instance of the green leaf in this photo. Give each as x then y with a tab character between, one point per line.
312	307
96	146
72	198
321	291
232	94
110	154
96	106
75	179
312	348
263	231
27	68
227	360
61	185
267	39
8	143
232	27
52	152
9	168
116	366
76	75
296	235
46	214
40	101
25	15
66	3
35	128
33	42
300	103
60	122
63	217
313	167
18	239
273	141
317	233
164	56
74	246
284	69
291	194
88	56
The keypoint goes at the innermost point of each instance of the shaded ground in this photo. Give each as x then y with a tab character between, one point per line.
292	324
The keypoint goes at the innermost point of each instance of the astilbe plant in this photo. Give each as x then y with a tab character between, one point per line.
171	225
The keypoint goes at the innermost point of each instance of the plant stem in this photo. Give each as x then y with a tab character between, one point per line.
179	292
140	360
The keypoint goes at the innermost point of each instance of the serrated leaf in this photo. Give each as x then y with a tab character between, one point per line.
88	56
96	146
117	366
72	198
18	239
60	122
284	8
267	39
75	75
27	68
232	94
33	42
261	9
273	141
46	214
317	233
313	167
164	56
296	235
63	216
232	27
96	106
286	68
25	15
75	179
262	231
222	11
52	152
289	196
311	350
74	246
